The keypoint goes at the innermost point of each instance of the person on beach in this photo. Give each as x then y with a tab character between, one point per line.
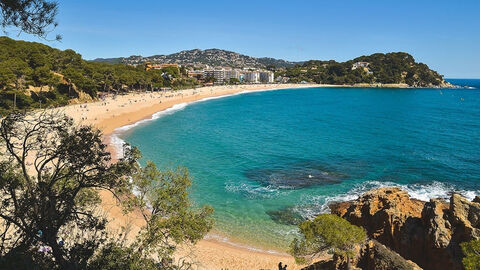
280	267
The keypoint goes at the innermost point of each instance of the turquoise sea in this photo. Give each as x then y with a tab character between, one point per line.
265	160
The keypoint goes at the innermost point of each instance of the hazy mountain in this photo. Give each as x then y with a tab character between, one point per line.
210	57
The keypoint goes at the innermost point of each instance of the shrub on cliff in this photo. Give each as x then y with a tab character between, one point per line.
326	232
471	250
50	172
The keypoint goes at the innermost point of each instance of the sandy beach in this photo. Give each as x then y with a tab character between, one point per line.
115	112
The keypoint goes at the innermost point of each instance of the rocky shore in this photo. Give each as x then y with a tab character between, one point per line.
406	233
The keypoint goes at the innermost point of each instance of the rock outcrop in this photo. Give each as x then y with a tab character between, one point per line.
428	233
370	256
375	256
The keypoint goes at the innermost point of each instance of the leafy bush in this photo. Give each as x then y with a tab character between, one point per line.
471	250
50	173
326	232
24	64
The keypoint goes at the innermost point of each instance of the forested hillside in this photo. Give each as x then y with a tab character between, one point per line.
33	75
37	75
209	57
390	68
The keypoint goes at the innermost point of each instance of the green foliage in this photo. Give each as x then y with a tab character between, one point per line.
56	196
30	16
234	81
210	79
174	71
471	250
50	173
326	232
390	68
29	64
162	196
114	257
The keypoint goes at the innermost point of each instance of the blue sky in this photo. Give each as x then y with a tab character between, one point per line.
443	34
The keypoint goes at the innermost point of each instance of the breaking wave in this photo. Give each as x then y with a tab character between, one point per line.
118	143
423	192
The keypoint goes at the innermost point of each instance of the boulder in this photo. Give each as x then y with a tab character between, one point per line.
465	218
376	256
385	213
370	256
428	233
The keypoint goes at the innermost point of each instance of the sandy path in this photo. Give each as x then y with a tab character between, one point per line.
122	110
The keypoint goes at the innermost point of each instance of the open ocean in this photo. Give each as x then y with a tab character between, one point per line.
265	160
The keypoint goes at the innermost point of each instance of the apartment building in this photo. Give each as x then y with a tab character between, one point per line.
252	76
218	74
266	77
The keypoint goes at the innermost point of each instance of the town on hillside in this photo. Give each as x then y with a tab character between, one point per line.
222	75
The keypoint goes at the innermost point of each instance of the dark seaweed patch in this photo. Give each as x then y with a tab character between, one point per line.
295	177
287	216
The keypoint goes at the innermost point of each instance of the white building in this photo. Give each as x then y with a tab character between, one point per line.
281	79
252	76
229	74
360	65
218	74
266	77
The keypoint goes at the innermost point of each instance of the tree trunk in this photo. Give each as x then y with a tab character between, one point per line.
349	265
58	255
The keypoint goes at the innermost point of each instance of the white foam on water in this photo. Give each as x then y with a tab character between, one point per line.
251	190
423	192
224	239
119	143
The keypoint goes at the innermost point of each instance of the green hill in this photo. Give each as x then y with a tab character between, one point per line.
37	75
197	57
379	68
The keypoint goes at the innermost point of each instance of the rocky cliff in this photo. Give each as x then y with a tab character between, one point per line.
369	256
428	233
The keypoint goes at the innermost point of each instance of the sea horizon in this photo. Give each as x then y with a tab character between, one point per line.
253	135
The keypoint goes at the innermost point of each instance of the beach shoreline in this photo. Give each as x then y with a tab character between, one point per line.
115	115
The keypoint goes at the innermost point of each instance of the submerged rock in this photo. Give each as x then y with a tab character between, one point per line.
295	177
428	233
287	216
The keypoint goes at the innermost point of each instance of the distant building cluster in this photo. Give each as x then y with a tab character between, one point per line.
223	75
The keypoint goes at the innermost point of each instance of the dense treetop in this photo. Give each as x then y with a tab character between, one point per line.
38	74
390	68
50	211
36	17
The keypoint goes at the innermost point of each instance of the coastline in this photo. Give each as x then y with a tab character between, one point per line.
113	116
147	103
